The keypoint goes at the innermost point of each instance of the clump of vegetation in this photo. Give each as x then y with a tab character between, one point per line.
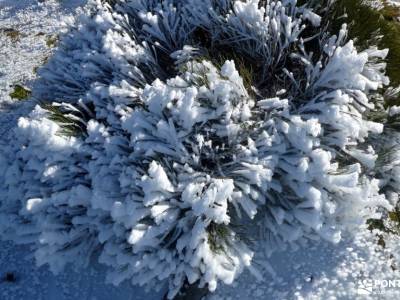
72	121
217	154
20	93
388	225
369	26
13	34
390	12
51	41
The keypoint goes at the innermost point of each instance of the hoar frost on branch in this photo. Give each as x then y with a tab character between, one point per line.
167	125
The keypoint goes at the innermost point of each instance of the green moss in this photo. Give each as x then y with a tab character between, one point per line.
51	41
395	217
20	93
388	225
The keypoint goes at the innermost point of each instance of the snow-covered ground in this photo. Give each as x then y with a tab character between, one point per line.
33	23
319	271
322	271
38	283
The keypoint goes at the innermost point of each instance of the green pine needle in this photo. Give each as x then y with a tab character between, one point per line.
70	120
217	237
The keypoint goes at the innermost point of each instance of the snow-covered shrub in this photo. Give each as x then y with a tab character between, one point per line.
167	125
